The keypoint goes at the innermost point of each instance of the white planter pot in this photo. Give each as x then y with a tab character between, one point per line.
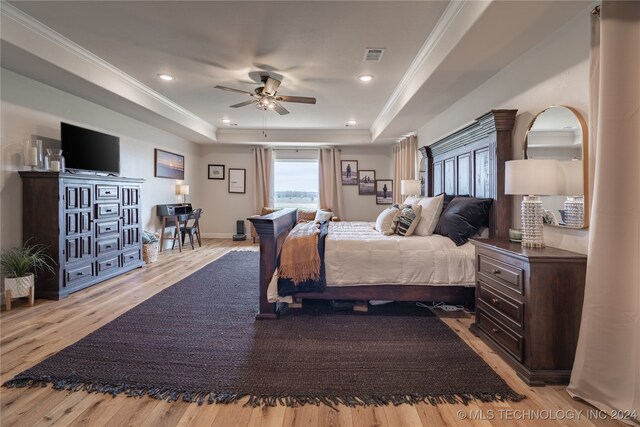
19	286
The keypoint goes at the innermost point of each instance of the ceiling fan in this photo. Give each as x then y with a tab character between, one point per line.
265	98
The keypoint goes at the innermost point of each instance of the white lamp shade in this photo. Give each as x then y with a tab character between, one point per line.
410	186
571	173
531	177
183	189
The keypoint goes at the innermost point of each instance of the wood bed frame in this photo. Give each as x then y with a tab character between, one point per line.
470	161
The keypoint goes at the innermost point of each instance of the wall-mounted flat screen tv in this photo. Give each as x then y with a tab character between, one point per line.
88	150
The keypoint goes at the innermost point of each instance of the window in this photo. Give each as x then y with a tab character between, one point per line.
295	183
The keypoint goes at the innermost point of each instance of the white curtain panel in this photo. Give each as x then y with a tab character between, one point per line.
262	165
606	371
330	180
405	157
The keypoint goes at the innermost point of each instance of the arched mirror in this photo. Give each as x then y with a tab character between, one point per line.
560	133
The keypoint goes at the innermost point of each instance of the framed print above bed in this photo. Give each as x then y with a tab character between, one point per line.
384	191
366	183
349	172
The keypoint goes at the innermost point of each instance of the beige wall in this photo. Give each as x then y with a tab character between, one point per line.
32	108
553	72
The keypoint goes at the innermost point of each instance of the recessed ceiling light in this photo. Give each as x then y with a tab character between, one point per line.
166	77
227	121
352	122
365	77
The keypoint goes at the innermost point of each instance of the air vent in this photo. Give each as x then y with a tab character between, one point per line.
373	54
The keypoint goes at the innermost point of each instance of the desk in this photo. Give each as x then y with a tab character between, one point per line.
173	215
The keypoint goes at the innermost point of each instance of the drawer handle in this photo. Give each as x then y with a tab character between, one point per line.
79	273
107	192
496	271
108	211
108	228
107	247
495	301
495	330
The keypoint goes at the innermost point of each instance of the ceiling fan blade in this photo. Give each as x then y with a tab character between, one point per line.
242	104
280	109
300	99
271	86
230	89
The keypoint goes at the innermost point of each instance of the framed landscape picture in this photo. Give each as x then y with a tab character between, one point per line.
168	165
366	182
384	191
216	171
349	173
237	181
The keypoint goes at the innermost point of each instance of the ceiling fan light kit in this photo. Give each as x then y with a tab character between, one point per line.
264	97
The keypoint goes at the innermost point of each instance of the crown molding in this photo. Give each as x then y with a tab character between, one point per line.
412	79
301	137
142	95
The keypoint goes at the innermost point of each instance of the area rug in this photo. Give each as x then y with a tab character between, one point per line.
198	341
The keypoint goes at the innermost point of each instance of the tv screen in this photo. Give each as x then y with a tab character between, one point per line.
89	150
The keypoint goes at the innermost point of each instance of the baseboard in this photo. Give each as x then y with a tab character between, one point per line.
217	235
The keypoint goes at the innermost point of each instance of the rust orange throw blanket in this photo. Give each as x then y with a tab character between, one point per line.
299	259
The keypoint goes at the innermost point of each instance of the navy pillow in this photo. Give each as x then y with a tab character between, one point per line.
462	218
448	198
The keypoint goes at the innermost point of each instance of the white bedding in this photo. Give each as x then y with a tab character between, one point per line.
356	254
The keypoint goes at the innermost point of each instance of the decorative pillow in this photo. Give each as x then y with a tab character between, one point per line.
431	210
322	216
463	217
408	220
306	215
412	200
386	222
448	198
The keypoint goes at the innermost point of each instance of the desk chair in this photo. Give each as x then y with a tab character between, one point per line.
192	229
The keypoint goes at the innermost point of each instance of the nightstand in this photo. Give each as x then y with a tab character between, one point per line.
529	307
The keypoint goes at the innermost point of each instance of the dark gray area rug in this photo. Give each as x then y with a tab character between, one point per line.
198	341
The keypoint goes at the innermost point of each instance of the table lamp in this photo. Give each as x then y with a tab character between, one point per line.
532	178
184	191
410	187
571	173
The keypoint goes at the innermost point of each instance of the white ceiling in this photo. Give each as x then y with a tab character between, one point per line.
435	53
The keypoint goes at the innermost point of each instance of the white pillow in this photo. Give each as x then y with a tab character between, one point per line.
386	222
412	200
322	216
431	210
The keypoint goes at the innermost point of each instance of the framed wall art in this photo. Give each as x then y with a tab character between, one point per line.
216	172
384	191
366	182
237	181
168	165
349	172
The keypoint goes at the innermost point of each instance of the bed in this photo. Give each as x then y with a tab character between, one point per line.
469	161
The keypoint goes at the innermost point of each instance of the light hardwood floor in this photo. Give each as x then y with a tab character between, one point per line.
31	334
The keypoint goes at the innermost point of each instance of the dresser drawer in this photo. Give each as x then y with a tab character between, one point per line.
107	246
509	340
129	257
509	275
509	307
106	192
107	210
108	265
106	228
76	274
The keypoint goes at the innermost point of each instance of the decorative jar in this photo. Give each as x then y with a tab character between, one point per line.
33	154
54	160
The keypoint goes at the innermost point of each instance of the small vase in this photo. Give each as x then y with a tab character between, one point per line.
54	160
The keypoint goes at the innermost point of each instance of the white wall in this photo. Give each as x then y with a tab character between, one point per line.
222	209
553	72
31	108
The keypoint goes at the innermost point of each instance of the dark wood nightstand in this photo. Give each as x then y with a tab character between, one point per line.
529	307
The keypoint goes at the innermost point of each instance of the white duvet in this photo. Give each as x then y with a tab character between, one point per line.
356	254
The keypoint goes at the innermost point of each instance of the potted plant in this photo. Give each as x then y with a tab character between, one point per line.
19	267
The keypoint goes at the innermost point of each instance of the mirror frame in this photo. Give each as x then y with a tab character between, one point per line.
585	159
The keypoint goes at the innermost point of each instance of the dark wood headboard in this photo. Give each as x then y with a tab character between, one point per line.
471	162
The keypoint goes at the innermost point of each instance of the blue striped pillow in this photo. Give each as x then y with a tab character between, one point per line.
408	220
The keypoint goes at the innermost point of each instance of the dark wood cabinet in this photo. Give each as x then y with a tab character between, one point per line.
529	307
91	225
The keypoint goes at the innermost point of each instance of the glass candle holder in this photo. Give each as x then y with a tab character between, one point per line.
54	161
32	153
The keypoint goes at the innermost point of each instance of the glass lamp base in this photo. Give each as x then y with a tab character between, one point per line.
532	230
574	211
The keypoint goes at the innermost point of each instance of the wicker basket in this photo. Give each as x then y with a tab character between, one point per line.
150	251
